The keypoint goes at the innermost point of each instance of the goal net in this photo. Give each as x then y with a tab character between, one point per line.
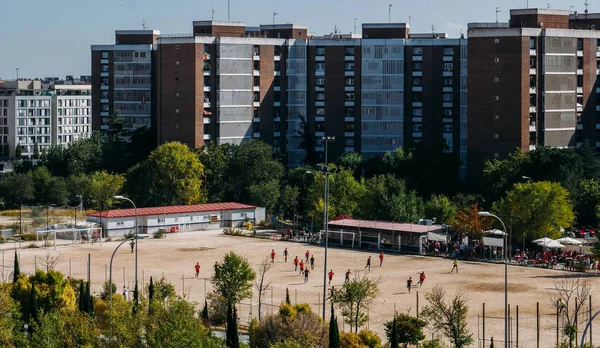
341	238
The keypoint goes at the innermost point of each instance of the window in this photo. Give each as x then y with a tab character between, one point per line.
448	51
447	112
319	127
320	81
496	136
349	66
348	142
256	65
206	49
349	127
532	43
320	96
417	51
319	66
256	81
104	55
276	66
532	100
579	44
104	82
277	81
349	96
417	127
320	111
447	128
448	82
104	107
320	51
103	95
418	97
448	97
532	62
417	81
349	51
104	68
256	50
448	66
349	112
256	96
417	66
276	50
276	127
579	62
350	81
417	112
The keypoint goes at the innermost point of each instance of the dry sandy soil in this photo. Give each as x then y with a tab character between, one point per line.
175	257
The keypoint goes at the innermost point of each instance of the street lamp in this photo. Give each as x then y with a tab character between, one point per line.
110	284
326	140
136	236
488	214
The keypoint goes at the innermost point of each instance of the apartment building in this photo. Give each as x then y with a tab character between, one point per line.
532	83
31	114
123	82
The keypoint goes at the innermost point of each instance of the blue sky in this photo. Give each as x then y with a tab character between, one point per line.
53	38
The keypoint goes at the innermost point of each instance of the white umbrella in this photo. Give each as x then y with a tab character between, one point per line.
543	241
569	240
551	245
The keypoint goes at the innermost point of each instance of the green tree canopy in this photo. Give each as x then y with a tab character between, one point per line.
539	209
587	201
409	330
387	198
102	188
53	291
48	188
232	278
449	317
17	189
441	208
354	299
171	175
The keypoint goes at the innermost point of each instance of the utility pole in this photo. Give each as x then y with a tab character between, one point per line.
355	19
390	13
274	15
17	73
498	10
213	14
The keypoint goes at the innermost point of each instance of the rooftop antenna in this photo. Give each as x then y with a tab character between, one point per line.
390	13
17	69
432	30
587	4
213	14
274	15
571	9
549	6
228	10
498	10
409	20
355	19
144	24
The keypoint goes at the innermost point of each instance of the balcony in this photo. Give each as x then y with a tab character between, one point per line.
206	88
417	104
104	74
319	58
579	90
319	134
447	104
349	103
349	58
276	58
206	72
532	71
256	72
319	148
349	73
206	136
206	57
447	89
104	114
580	126
277	73
256	120
417	134
349	119
448	58
531	147
206	104
277	88
256	88
532	128
256	104
104	88
417	89
320	88
277	119
532	90
276	134
418	58
448	73
256	135
277	104
349	134
579	53
319	103
598	144
206	120
349	149
579	71
447	120
531	109
532	52
320	119
417	119
320	72
104	101
255	57
417	73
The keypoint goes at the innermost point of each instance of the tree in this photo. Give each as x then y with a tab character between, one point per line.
216	161
388	199
407	329
260	283
448	317
49	262
265	194
205	310
232	278
17	189
32	314
363	339
295	323
16	269
82	156
289	199
102	189
232	332
172	175
354	298
18	152
587	201
65	328
80	297
48	189
52	291
36	150
78	184
10	320
151	290
351	161
334	333
287	296
569	297
539	209
470	223
441	208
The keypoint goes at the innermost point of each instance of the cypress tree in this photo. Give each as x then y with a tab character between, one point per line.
205	310
151	290
232	332
89	300
81	297
394	341
287	296
135	299
33	314
334	332
16	268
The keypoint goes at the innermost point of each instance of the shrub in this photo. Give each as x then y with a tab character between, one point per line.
160	234
363	339
435	343
2	240
232	231
28	237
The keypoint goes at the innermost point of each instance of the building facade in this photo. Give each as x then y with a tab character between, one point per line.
123	81
532	83
30	115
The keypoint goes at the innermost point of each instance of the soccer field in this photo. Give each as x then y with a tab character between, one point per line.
175	257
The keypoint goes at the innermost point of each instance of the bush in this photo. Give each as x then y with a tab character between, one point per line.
232	231
2	240
580	266
435	343
363	339
160	234
28	237
36	212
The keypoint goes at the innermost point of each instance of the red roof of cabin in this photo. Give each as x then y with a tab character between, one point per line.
384	226
177	209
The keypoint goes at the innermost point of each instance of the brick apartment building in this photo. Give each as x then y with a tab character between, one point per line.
227	82
532	83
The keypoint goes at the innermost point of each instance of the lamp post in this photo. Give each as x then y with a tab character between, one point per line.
136	236
110	283
488	214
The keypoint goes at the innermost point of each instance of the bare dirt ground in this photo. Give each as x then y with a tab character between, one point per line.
175	257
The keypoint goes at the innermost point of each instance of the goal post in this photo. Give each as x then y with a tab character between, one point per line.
340	237
67	236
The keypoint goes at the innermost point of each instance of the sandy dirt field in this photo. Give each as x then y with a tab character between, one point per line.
175	257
